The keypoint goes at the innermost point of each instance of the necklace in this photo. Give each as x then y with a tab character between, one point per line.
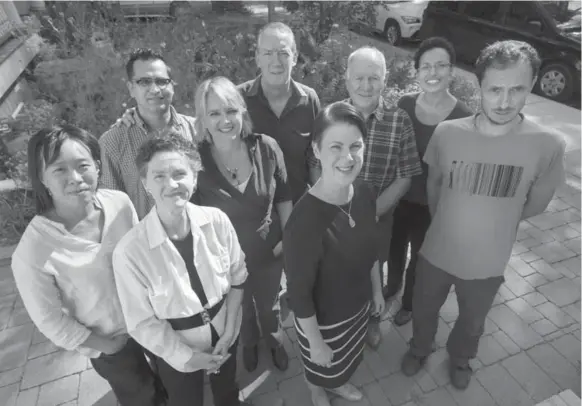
232	172
351	221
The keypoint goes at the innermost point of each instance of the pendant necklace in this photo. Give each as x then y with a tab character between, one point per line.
351	221
233	173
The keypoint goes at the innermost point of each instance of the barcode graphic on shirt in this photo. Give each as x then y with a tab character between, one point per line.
485	179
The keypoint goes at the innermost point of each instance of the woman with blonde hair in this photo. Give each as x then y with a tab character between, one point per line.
245	176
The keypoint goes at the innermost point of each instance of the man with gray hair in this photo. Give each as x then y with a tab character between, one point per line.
281	107
390	157
487	172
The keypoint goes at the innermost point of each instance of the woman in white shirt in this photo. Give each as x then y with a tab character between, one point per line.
62	265
180	273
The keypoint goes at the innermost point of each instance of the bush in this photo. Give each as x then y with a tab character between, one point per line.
17	206
80	76
17	209
33	117
88	85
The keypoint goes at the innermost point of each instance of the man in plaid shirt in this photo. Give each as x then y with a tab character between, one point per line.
390	156
149	82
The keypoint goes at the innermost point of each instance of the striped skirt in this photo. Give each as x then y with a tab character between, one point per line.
346	339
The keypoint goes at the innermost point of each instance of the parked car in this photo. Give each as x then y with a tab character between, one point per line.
151	8
397	20
471	25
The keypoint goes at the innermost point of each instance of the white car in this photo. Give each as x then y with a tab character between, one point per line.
396	20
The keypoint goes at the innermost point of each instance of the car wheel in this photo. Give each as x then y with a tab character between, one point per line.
555	82
392	32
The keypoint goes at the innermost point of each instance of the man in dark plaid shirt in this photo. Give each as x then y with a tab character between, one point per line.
390	157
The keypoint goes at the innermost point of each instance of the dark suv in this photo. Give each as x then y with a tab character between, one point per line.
552	27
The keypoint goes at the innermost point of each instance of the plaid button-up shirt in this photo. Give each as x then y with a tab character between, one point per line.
390	148
119	146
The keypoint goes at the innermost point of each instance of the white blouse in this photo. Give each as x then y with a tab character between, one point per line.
154	284
66	282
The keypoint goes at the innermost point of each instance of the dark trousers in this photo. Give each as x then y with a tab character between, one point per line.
474	297
129	375
411	222
384	237
187	389
261	304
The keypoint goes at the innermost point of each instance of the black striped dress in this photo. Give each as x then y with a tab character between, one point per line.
328	266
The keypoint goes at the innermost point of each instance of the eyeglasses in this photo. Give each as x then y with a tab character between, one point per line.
146	83
439	67
281	53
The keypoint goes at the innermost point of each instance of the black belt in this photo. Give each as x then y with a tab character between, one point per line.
197	320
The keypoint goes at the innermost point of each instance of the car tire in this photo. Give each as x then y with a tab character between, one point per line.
555	82
392	32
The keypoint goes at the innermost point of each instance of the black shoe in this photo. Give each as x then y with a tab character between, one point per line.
251	358
412	363
280	358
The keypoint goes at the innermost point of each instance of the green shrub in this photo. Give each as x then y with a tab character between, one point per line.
16	209
89	85
80	75
17	206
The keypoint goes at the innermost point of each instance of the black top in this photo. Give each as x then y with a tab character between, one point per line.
292	130
328	264
423	133
186	249
248	210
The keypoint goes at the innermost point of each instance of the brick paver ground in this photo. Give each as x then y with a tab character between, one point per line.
529	353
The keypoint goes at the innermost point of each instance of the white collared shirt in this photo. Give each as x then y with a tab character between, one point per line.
66	282
154	285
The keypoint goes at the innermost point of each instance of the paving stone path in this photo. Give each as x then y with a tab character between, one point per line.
530	351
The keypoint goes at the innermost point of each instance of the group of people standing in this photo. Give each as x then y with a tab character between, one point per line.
165	241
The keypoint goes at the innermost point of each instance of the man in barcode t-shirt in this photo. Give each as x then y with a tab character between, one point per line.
487	172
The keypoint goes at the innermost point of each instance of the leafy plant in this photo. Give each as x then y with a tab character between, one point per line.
315	19
17	209
87	82
79	76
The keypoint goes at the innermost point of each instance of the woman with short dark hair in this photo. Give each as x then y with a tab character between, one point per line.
434	63
180	273
62	265
330	251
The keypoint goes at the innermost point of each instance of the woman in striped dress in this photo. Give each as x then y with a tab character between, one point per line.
330	254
